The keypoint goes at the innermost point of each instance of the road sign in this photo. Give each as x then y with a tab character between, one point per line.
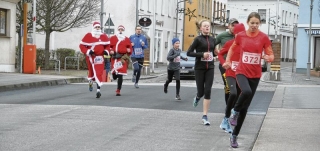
109	22
145	21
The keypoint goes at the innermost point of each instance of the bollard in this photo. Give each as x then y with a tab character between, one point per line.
145	70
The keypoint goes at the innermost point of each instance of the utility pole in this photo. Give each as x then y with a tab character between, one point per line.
34	22
309	52
177	11
269	24
277	20
137	12
152	39
101	14
294	45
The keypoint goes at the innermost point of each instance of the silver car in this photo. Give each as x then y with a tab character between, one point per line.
187	67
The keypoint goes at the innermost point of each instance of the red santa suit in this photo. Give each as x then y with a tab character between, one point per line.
98	43
120	44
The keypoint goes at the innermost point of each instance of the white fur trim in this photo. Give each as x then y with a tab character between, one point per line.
88	51
107	52
96	25
95	43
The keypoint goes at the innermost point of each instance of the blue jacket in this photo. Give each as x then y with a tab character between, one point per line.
137	49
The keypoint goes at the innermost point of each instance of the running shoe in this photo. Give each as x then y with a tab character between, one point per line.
136	85
165	88
225	125
234	117
205	120
178	97
195	102
90	85
233	141
118	92
133	78
98	95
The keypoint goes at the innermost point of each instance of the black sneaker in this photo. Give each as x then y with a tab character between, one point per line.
178	97
98	95
165	89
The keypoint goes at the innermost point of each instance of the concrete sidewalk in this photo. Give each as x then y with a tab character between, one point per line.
291	122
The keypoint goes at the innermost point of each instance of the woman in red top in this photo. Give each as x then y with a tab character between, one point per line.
231	76
248	73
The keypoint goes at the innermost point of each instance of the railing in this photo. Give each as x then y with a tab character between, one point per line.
56	65
72	64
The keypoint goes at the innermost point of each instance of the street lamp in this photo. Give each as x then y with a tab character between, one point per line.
309	52
177	12
294	31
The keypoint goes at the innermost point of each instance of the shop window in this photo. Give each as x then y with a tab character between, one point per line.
3	22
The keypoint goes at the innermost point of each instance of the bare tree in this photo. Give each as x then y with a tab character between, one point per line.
62	15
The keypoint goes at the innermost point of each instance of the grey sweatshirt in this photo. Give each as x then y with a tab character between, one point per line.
174	59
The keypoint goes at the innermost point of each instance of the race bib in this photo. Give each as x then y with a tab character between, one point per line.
117	65
251	58
210	58
137	51
176	59
98	60
234	65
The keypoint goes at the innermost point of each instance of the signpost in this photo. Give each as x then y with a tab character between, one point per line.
145	21
109	23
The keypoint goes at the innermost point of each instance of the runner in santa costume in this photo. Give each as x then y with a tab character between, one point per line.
120	49
94	45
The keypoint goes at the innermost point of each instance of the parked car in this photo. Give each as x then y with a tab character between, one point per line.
263	65
187	67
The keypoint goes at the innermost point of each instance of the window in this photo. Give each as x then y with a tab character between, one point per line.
263	15
3	23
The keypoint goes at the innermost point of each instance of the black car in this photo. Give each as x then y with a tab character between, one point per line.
187	67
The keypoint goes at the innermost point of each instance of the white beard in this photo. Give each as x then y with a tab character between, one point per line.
120	36
96	33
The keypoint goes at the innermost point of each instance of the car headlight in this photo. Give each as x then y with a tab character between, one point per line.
192	67
183	67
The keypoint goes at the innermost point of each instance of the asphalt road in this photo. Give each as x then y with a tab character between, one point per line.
69	117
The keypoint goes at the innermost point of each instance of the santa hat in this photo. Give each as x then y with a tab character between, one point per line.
95	24
121	27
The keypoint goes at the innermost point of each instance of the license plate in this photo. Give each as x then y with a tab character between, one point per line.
184	71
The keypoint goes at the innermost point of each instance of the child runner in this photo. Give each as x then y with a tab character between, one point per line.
174	66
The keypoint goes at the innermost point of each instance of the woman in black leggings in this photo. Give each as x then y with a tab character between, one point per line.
203	49
252	42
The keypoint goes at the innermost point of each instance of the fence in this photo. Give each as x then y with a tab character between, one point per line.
72	62
56	64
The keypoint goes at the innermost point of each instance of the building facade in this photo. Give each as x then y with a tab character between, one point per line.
195	12
7	35
304	54
124	12
281	28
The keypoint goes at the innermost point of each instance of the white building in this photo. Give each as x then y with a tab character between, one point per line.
220	16
123	12
288	14
7	35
